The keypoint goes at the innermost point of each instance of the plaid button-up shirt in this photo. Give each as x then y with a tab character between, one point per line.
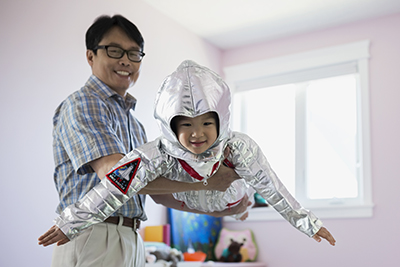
92	123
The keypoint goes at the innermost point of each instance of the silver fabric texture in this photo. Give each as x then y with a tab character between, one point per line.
97	205
192	90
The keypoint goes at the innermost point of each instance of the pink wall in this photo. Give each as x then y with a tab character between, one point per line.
43	60
360	242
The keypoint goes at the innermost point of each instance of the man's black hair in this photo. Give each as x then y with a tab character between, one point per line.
104	23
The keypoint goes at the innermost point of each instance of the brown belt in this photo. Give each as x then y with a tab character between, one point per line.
128	222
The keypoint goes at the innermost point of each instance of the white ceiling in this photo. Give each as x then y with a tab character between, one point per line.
233	23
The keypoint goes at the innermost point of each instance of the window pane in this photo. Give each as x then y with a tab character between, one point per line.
267	116
331	127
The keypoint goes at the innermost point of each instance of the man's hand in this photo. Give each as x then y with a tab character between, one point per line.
239	208
222	179
325	234
53	235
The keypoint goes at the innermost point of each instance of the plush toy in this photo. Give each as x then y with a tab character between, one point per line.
163	254
249	248
232	253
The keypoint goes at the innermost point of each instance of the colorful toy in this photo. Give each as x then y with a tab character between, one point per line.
248	247
232	253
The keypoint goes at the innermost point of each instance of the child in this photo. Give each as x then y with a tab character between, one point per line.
192	110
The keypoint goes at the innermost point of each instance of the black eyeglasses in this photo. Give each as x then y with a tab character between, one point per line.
118	52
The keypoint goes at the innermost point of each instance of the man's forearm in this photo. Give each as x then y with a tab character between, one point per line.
161	186
220	181
104	164
170	202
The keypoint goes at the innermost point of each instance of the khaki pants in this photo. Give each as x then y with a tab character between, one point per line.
103	244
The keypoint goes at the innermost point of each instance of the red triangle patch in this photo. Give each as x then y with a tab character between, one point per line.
123	176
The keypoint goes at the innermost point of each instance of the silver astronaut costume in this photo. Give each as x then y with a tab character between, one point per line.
192	90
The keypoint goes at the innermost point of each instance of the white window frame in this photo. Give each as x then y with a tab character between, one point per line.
297	67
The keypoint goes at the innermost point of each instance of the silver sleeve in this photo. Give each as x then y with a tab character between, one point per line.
252	165
107	197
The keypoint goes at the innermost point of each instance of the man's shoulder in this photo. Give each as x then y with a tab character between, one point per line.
81	99
83	95
93	88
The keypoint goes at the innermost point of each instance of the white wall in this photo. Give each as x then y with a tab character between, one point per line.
42	61
360	242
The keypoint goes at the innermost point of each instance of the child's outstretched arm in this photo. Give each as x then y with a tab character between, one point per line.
251	164
130	175
53	235
124	180
325	234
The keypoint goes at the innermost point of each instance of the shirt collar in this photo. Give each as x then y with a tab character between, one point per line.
106	92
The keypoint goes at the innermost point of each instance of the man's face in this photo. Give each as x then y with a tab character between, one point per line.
118	74
196	134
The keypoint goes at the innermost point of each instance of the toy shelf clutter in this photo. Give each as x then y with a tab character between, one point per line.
158	238
211	264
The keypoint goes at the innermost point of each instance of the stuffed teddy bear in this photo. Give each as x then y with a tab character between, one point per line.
232	253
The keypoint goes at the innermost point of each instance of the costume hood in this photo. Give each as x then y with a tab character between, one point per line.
192	90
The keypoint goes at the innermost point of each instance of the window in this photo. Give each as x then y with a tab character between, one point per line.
309	114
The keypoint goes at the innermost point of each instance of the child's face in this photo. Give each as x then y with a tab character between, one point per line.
197	134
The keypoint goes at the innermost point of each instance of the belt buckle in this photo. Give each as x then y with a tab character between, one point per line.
136	224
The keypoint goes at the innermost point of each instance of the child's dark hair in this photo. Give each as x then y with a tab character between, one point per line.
104	23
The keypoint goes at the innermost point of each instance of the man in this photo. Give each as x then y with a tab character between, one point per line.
93	129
